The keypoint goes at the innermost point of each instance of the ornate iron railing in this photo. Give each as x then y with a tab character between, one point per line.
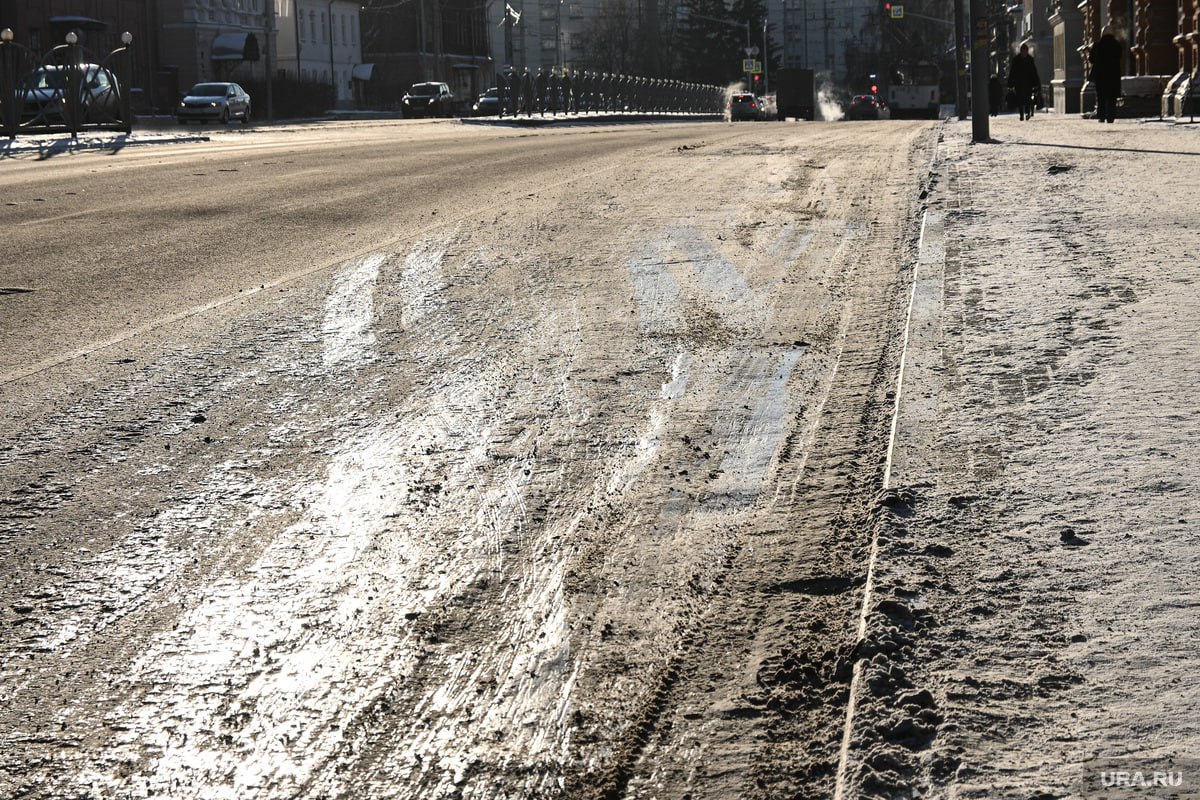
603	93
64	91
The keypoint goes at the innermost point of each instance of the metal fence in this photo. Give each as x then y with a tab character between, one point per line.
66	90
603	93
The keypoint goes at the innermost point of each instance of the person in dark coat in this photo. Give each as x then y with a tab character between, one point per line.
995	95
1105	58
1023	79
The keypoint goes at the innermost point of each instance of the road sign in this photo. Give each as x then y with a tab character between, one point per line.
897	11
750	65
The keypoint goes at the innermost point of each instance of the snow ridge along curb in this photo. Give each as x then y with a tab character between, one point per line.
923	307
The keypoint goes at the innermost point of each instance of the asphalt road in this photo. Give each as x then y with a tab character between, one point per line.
426	460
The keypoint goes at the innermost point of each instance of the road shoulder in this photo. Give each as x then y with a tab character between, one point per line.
1032	621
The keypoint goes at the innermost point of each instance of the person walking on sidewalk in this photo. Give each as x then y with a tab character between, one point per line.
1024	81
1105	58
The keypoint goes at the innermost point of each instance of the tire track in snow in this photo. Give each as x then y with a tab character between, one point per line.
321	628
742	395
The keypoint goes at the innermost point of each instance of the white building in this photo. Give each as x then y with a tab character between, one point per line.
320	41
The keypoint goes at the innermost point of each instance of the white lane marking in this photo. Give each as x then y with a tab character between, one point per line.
755	440
656	292
721	279
651	437
422	283
347	328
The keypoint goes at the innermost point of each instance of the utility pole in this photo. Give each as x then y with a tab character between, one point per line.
270	31
421	40
333	81
508	36
558	59
749	82
766	61
960	60
980	57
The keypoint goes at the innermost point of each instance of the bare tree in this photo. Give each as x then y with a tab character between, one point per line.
612	37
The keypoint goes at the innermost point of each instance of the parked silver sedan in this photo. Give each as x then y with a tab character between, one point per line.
214	102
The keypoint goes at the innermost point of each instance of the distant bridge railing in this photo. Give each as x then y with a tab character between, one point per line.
67	90
587	92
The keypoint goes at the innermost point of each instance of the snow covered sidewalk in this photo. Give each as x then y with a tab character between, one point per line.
1036	605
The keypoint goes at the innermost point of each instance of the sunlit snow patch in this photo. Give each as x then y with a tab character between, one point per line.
347	328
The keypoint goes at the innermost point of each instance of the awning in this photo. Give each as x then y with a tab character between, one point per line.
465	66
235	47
362	72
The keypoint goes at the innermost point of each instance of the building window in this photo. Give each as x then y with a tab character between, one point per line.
324	29
312	26
345	38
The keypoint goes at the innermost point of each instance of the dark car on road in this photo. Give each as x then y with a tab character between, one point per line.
868	106
214	102
44	94
745	106
428	99
487	104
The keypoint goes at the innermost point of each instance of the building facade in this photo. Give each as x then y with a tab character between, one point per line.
179	42
446	41
212	40
1162	54
320	41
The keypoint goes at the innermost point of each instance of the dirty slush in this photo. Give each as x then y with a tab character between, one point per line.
523	509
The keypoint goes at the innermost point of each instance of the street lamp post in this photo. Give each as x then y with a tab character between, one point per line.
980	47
8	82
766	61
558	59
125	74
269	30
